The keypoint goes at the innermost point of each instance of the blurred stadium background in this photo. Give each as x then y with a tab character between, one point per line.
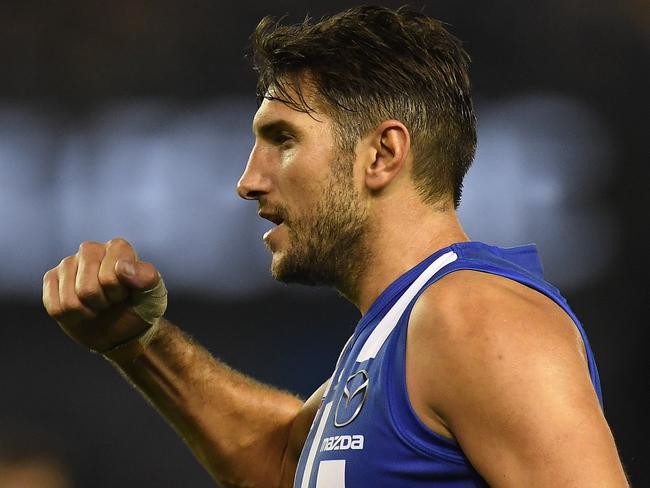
132	118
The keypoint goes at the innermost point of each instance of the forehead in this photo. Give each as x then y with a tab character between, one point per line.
273	111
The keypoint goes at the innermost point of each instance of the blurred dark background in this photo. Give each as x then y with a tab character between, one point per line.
132	118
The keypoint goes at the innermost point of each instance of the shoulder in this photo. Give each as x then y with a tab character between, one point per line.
471	308
502	369
473	328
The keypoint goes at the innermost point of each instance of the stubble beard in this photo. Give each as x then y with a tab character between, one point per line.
328	244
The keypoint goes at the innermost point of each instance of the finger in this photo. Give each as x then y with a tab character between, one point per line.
51	293
72	310
138	275
116	249
87	285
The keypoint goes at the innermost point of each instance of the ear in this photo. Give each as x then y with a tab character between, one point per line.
391	144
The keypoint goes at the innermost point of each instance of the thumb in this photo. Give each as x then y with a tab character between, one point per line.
137	275
149	295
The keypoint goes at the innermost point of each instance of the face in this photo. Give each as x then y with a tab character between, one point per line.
305	186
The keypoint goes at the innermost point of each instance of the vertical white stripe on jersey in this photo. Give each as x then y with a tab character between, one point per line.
331	474
387	324
315	444
333	381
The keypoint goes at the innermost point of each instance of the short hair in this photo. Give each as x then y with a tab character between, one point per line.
369	64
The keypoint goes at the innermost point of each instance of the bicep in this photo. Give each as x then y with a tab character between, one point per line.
529	421
510	382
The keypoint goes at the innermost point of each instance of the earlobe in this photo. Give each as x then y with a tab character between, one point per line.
391	142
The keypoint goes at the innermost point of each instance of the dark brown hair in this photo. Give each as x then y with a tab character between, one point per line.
370	64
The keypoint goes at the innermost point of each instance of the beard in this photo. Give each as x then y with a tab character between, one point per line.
327	243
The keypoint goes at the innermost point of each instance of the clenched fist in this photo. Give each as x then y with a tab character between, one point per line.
102	296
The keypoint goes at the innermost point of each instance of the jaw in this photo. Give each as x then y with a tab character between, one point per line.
276	264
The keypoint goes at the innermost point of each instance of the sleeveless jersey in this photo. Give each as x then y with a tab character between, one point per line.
366	433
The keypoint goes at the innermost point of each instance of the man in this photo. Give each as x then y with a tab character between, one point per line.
466	368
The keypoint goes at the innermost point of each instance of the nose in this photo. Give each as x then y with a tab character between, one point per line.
254	182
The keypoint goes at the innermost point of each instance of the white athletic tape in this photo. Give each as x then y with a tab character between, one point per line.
149	305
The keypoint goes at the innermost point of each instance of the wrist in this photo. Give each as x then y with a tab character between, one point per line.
149	305
131	349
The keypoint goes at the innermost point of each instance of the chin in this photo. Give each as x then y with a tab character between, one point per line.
278	268
290	273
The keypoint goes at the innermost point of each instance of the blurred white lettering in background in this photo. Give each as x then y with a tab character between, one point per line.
163	176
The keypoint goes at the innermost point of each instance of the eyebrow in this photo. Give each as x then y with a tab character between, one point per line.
267	129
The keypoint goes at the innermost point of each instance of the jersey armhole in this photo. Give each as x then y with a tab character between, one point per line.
407	424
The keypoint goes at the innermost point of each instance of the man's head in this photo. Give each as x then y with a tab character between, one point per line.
305	185
370	64
345	103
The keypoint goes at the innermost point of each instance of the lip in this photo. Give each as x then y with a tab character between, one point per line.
276	219
273	217
267	235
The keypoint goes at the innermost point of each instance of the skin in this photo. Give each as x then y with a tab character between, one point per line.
468	329
33	473
322	238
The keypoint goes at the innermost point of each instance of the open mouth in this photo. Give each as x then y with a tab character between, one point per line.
276	219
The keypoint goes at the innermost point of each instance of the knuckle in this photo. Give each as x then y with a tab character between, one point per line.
87	293
70	304
66	261
55	312
48	276
89	247
118	242
108	280
46	290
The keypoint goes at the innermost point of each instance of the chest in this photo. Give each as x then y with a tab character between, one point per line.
351	437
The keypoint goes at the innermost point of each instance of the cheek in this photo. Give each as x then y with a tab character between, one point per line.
303	190
288	158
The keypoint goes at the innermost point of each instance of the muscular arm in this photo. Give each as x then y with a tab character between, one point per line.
502	369
244	433
239	429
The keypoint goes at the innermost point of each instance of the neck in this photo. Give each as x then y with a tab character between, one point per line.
399	237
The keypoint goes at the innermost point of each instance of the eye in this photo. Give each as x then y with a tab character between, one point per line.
283	139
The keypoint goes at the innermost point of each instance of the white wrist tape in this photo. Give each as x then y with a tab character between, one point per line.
149	305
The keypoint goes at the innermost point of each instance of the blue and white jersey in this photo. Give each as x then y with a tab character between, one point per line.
366	433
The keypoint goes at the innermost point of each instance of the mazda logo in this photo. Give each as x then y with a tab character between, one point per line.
352	399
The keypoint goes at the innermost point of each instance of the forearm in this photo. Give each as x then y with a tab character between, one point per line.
237	428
